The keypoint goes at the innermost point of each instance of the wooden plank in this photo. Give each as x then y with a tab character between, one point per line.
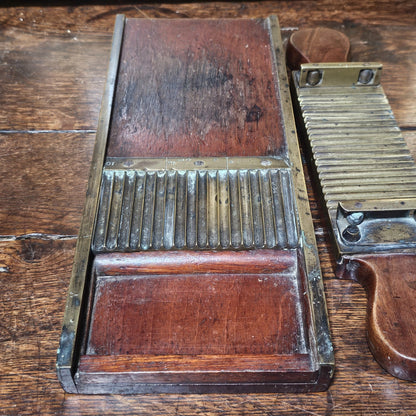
34	278
44	179
34	275
176	309
53	81
392	46
97	18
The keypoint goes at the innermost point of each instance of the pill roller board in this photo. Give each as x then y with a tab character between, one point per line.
196	268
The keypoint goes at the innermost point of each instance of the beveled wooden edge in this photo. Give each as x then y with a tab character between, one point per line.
67	355
150	362
316	293
172	369
196	262
201	374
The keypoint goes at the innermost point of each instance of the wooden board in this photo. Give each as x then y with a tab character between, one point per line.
194	92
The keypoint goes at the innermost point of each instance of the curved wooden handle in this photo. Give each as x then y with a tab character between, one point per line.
317	45
390	282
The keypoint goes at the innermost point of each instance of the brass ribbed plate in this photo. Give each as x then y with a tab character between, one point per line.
360	155
195	209
358	148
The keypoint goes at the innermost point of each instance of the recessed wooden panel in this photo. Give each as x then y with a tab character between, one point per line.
188	92
216	313
189	321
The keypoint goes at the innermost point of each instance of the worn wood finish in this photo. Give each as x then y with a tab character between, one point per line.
25	29
189	303
197	91
43	183
201	87
389	280
51	76
35	273
190	262
34	280
316	45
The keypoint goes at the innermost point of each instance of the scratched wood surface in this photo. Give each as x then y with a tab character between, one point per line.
190	110
53	64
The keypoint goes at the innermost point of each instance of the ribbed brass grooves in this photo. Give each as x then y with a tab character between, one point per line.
357	146
195	209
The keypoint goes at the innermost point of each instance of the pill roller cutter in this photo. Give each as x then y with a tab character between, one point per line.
368	181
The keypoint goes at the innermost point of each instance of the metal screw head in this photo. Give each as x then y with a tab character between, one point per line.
314	77
351	234
365	76
355	218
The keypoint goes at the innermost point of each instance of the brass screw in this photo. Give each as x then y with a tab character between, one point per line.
355	218
314	77
365	76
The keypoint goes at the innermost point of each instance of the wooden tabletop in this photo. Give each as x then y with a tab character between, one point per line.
53	63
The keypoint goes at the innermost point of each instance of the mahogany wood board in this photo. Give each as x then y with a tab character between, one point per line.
236	325
200	88
250	306
28	383
195	92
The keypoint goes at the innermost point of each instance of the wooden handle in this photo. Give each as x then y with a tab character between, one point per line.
317	45
390	282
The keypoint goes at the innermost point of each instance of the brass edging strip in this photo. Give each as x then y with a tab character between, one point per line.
193	163
339	74
70	337
308	242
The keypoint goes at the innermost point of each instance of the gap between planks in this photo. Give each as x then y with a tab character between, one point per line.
45	131
37	236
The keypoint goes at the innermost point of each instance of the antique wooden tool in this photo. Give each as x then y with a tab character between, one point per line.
196	268
368	181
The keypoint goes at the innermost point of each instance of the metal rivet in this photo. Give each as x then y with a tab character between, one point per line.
351	234
366	76
355	218
314	77
266	162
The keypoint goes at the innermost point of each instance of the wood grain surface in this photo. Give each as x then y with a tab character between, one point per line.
53	64
195	93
